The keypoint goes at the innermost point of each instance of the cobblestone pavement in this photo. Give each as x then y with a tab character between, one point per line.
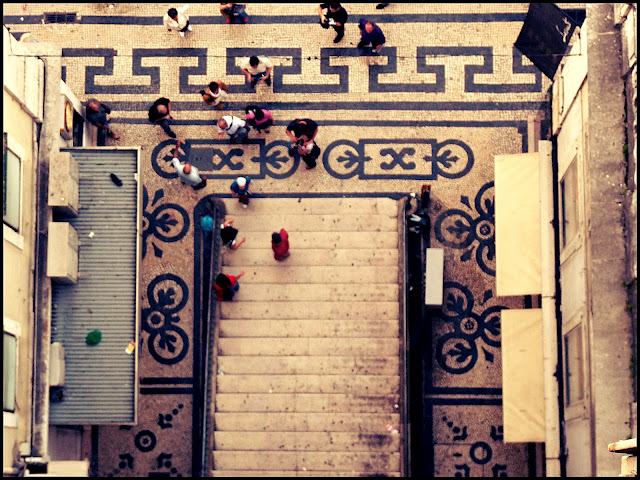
447	92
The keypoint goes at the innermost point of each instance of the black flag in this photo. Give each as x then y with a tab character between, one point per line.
545	36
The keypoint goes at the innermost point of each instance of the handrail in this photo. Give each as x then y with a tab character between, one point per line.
405	361
208	330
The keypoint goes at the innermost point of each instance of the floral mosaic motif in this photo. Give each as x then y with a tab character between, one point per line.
167	294
457	351
168	222
473	233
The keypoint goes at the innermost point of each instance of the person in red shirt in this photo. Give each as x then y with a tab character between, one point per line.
226	286
280	244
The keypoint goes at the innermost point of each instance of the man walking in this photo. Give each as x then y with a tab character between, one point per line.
160	113
228	234
187	173
214	94
371	35
240	190
257	69
302	132
177	19
280	245
335	17
98	115
233	11
235	127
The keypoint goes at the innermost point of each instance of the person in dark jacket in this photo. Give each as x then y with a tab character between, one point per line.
228	234
371	35
335	17
160	113
98	114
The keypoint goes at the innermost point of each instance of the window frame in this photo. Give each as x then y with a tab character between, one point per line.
565	240
9	232
578	398
11	327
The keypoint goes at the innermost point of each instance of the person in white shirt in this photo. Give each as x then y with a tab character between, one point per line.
257	69
237	129
177	19
187	172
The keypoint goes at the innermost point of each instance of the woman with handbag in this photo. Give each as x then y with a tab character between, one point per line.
231	11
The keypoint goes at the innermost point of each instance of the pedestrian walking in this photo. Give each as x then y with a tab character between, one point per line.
234	12
371	36
187	172
160	113
336	16
226	286
235	127
257	69
280	244
240	190
177	19
259	118
302	133
228	234
98	114
214	93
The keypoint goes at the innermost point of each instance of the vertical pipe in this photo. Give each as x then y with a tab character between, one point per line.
550	352
559	373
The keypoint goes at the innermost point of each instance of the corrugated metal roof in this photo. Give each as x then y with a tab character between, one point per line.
100	380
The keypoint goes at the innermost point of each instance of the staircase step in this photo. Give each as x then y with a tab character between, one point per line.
305	441
305	402
321	310
324	240
287	292
308	328
334	365
281	272
305	422
318	257
353	384
326	461
294	473
385	347
317	223
314	206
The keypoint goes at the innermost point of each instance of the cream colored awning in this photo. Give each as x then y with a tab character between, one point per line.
522	376
517	223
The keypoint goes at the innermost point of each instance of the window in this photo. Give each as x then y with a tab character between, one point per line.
11	183
574	377
569	203
9	346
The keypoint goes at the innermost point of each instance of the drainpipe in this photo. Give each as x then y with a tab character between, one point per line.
550	346
38	461
559	371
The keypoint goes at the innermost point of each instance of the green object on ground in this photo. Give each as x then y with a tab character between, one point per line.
94	337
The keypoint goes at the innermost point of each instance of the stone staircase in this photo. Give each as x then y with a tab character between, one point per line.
308	352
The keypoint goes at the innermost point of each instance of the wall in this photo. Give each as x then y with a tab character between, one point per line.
20	114
589	121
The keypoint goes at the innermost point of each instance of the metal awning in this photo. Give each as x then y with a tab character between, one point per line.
101	385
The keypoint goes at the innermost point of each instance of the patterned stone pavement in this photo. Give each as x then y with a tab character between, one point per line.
447	93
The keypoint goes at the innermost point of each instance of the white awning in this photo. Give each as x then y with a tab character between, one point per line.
517	224
522	376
